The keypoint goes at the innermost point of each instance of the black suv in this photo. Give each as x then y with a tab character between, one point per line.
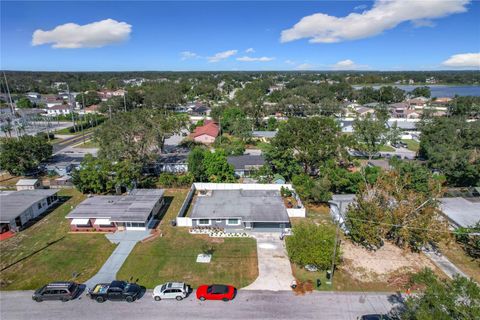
63	291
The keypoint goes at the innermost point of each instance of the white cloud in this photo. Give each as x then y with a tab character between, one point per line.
360	7
91	35
222	55
305	66
463	60
185	55
255	59
348	65
250	50
384	15
288	61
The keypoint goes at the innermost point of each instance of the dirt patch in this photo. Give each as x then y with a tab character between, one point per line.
389	264
303	287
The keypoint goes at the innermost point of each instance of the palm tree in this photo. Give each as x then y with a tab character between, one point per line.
7	127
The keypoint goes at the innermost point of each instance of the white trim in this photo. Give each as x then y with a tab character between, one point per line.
201	224
80	221
218	220
239	222
102	222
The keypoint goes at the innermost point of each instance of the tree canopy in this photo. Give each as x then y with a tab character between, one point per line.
19	156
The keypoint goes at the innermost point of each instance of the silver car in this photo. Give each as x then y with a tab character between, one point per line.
171	290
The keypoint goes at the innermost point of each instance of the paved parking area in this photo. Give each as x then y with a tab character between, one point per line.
126	241
274	270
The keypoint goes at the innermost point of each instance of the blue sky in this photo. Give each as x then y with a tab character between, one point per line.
187	35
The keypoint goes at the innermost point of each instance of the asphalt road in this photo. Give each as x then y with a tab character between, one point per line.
71	141
247	305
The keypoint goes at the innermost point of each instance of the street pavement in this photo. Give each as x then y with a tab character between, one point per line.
58	147
246	305
274	270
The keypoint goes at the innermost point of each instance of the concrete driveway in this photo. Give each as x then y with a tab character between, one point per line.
274	270
126	241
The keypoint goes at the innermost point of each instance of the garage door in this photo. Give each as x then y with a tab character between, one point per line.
268	226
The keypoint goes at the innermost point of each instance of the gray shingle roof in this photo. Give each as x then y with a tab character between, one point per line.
245	161
249	205
134	207
13	204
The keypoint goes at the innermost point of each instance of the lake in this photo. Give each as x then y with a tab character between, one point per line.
439	90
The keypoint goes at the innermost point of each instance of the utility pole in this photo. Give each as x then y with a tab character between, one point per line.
334	253
71	107
124	101
8	94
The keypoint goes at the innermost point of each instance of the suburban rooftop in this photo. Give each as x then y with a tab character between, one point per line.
135	206
249	205
461	211
14	203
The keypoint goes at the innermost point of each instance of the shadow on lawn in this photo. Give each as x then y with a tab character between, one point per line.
31	222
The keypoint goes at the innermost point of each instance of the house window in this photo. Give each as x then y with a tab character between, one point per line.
136	224
39	205
203	222
233	222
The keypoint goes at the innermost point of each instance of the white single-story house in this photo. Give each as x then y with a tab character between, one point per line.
134	211
19	207
233	207
461	212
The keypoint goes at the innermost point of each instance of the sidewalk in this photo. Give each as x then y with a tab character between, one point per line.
444	264
126	241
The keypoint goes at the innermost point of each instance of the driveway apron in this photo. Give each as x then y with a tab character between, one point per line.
274	270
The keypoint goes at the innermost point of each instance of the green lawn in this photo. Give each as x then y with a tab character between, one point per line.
59	255
87	144
173	256
386	148
302	275
412	144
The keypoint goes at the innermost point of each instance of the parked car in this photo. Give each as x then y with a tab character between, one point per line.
63	291
216	292
374	317
171	290
117	291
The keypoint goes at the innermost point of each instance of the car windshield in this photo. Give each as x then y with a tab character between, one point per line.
217	289
163	287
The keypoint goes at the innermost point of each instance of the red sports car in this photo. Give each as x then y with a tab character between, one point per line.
216	292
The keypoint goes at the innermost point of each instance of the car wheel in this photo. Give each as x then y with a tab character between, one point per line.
202	298
129	299
179	298
38	299
100	299
157	298
64	299
225	300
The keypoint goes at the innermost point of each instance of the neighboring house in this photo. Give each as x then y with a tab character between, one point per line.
19	207
245	164
363	111
263	135
233	207
207	133
62	164
134	211
338	208
94	108
172	163
28	184
461	212
346	125
58	109
198	109
404	125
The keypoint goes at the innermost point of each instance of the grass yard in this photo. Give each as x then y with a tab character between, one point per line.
87	144
412	144
303	275
173	256
47	252
455	253
386	148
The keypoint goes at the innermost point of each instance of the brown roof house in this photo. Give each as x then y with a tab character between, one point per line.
207	133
